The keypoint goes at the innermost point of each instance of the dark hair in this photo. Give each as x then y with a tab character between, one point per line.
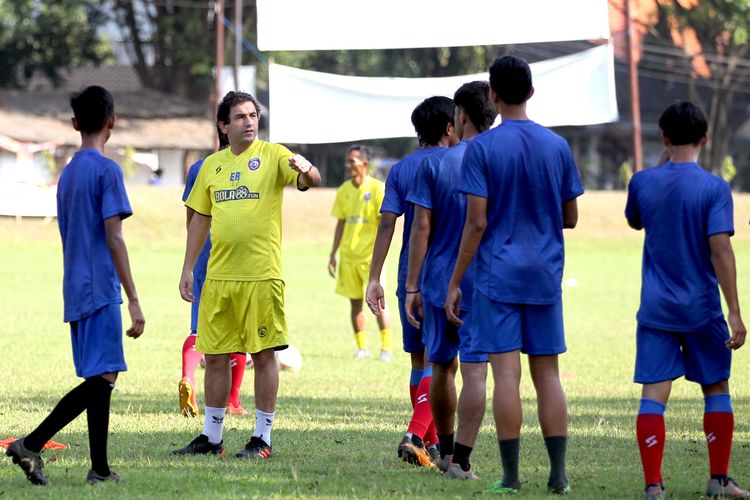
232	99
431	117
92	107
510	78
474	99
683	123
364	151
223	139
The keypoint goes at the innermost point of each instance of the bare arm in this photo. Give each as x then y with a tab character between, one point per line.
188	216
476	223
119	252
375	296
418	243
722	257
196	238
570	214
336	242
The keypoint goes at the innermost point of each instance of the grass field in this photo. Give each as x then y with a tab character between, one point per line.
338	420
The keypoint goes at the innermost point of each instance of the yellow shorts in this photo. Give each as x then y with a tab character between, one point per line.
241	316
353	278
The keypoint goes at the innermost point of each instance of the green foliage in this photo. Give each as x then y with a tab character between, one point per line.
48	36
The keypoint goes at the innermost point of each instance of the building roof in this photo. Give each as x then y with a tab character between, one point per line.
146	119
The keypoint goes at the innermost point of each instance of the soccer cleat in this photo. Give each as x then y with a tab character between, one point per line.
236	410
415	455
188	403
499	488
434	452
361	354
559	489
200	446
455	471
726	488
29	462
443	463
93	478
255	448
385	356
655	492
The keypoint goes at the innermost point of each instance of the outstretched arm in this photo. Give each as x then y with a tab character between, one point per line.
722	257
309	175
375	297
119	252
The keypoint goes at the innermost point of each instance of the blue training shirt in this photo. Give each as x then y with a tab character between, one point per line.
199	270
436	189
399	182
526	172
90	190
680	206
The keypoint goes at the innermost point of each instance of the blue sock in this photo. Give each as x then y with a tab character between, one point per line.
427	372
651	407
718	403
416	376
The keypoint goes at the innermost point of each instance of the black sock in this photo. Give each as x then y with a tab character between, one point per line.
556	447
446	444
97	415
461	456
510	452
417	441
67	409
721	477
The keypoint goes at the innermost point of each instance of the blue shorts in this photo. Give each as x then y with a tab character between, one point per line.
499	327
699	355
413	341
97	342
197	288
444	340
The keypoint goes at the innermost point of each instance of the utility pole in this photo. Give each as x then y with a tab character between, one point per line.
635	98
237	42
219	13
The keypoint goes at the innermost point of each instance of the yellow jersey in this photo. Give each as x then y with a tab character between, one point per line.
359	208
243	196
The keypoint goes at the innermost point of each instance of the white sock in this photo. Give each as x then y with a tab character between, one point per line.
263	424
213	424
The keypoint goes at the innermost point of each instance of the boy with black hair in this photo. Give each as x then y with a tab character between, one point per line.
687	215
439	215
357	211
238	195
433	123
522	185
190	356
91	204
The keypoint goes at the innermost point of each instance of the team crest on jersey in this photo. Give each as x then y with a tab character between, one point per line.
262	331
368	196
253	164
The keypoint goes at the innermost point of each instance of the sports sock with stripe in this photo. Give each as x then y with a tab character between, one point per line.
263	425
422	416
416	376
651	434
718	425
190	358
213	424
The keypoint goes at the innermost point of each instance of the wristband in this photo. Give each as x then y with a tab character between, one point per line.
412	291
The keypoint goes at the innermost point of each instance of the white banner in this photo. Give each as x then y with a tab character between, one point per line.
394	24
309	107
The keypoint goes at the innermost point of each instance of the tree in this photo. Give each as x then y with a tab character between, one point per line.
48	36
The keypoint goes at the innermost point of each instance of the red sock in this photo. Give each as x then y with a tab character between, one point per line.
719	428
413	394
190	359
421	419
651	435
237	362
431	436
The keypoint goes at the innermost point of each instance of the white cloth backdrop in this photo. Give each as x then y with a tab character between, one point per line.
309	107
395	24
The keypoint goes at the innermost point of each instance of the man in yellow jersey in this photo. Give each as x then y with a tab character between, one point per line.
357	208
238	194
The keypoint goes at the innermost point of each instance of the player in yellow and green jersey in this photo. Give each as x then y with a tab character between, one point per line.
357	208
238	194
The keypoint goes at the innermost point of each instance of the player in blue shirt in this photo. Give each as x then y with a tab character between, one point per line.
190	357
439	215
687	215
522	185
433	122
91	204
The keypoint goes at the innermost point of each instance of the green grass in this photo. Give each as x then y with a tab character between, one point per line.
338	420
